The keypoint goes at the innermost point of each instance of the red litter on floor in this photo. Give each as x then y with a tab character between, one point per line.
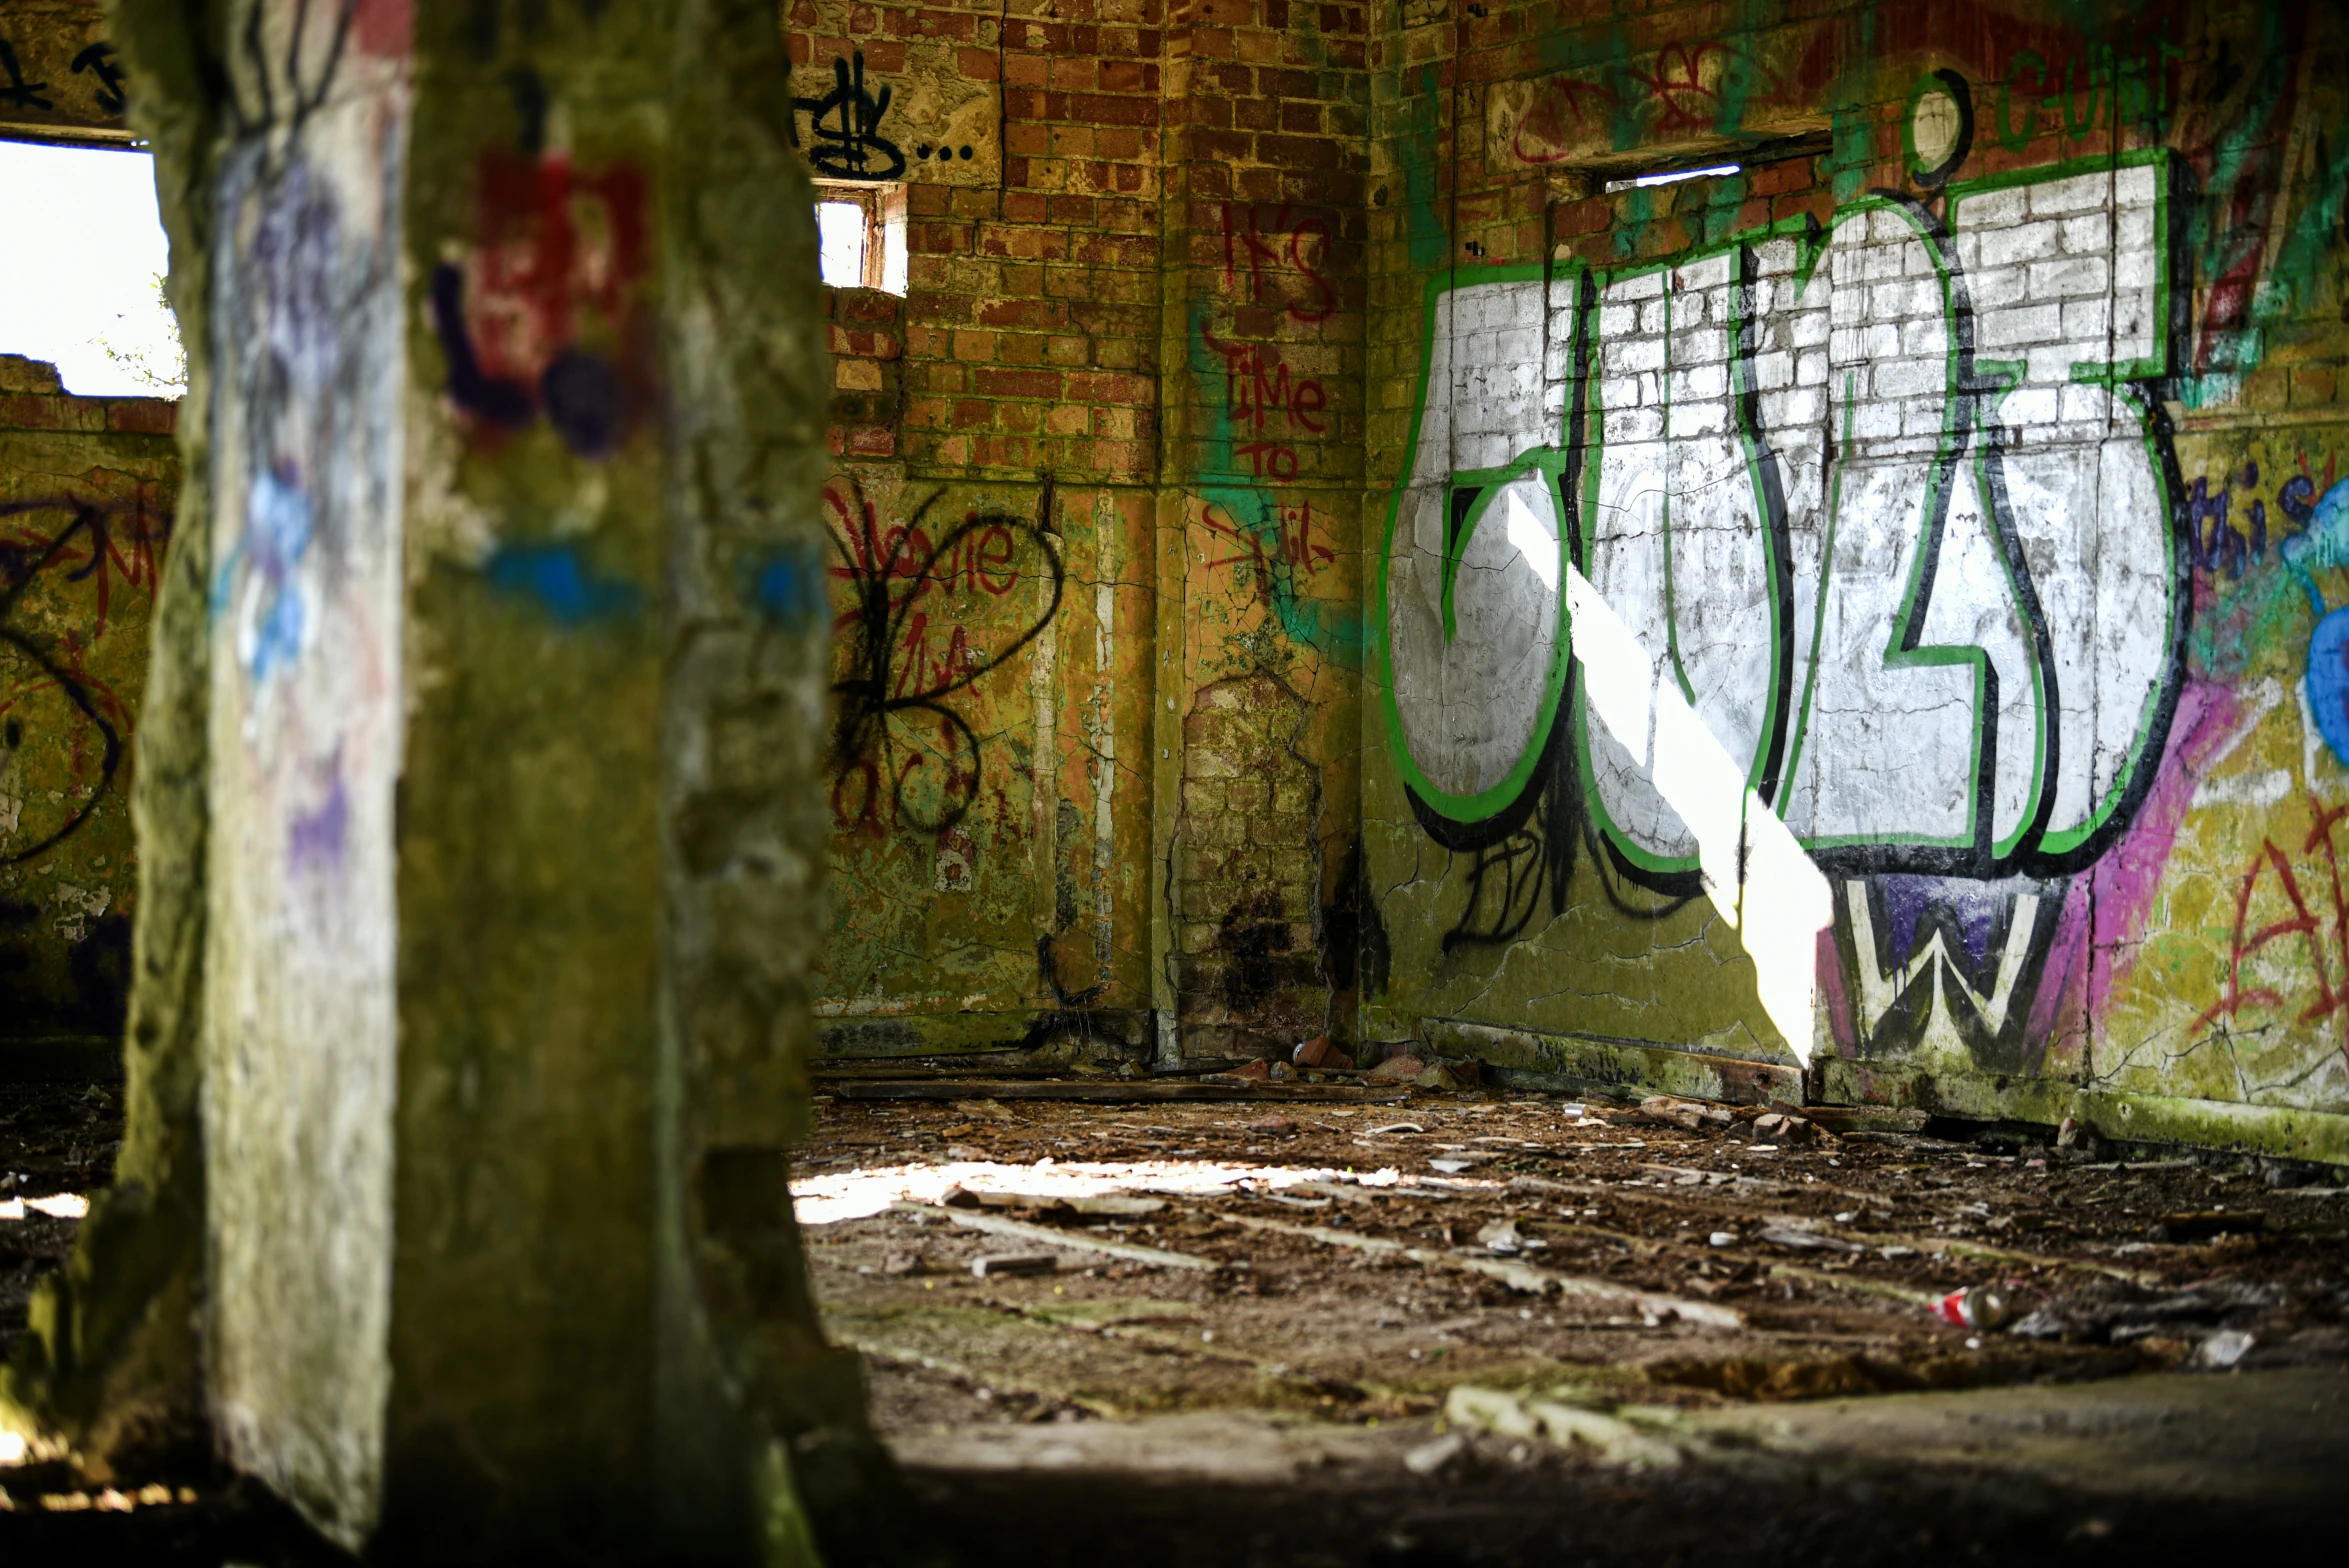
1976	1306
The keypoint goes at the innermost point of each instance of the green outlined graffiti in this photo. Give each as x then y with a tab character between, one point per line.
1892	504
1469	586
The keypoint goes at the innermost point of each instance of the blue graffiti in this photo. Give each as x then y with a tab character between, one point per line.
278	530
558	579
788	589
2323	542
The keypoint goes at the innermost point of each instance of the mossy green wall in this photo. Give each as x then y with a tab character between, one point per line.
87	492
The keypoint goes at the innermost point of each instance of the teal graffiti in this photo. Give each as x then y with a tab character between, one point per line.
1327	628
1422	153
2230	224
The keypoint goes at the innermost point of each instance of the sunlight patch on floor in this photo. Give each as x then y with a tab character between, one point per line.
853	1194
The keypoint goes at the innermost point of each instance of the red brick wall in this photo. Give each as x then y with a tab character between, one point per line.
867	339
1160	303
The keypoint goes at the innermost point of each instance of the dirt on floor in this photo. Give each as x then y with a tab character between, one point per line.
1292	1292
57	1142
1356	1261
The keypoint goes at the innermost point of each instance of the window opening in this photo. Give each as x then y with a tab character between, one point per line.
860	233
81	287
1672	177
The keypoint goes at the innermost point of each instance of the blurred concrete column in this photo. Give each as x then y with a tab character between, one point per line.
480	840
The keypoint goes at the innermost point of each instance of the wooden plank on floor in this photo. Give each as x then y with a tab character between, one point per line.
1048	1236
1107	1091
1517	1276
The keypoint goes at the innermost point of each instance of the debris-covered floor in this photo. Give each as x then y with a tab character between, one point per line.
57	1146
1480	1329
1358	1260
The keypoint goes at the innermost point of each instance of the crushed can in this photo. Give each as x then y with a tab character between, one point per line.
1983	1307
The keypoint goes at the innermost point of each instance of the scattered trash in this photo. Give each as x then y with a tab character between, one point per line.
1608	1438
1318	1053
1280	1072
2114	1311
1842	1120
2225	1348
1804	1240
1252	1072
1453	1161
1722	1238
1005	1264
1392	1127
1074	1239
2067	1135
1521	1277
901	1264
1113	1204
1781	1127
1694	1115
1344	1192
2203	1224
1043	1206
1501	1236
1976	1306
1436	1457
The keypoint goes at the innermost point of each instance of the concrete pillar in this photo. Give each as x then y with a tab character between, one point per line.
480	841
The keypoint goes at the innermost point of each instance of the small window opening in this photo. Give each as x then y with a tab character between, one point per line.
81	284
1672	177
860	232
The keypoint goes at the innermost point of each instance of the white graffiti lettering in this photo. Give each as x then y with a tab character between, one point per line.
1890	505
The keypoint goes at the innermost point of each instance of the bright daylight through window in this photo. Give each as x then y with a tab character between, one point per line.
1672	177
860	231
81	286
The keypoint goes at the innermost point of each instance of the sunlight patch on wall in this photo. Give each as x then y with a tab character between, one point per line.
1760	880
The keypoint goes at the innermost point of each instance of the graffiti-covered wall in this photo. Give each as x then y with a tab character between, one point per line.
1867	607
1096	523
1327	542
87	487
